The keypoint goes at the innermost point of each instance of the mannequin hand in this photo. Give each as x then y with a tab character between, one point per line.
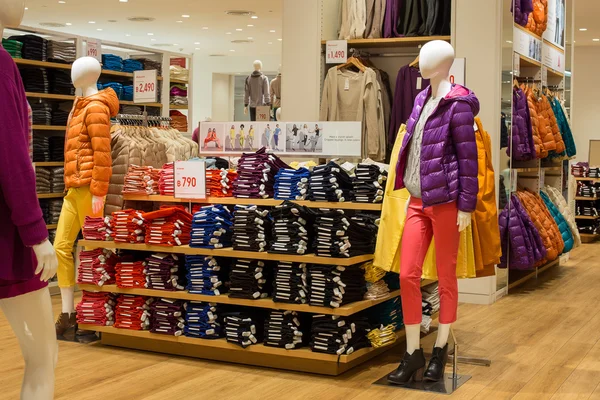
245	110
406	207
46	259
97	204
463	220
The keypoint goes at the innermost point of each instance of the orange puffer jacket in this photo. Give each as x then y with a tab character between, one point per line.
87	143
545	109
538	19
540	149
544	223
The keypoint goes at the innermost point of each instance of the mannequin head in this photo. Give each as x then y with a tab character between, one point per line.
436	59
280	69
257	65
85	72
11	13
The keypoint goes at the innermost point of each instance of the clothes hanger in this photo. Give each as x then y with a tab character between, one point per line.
415	63
353	62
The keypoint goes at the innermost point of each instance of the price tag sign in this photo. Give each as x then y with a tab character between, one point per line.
146	88
190	180
94	49
516	64
263	113
514	178
336	51
544	75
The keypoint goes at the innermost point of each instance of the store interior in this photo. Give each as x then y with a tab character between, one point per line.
206	194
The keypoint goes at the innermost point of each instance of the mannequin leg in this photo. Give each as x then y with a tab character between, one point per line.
413	337
443	334
30	316
252	113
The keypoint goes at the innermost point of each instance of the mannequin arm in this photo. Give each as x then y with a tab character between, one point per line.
463	220
98	123
463	136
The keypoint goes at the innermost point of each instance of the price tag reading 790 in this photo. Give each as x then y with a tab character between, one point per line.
190	180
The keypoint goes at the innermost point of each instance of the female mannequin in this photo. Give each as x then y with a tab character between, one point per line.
87	173
29	260
256	91
440	141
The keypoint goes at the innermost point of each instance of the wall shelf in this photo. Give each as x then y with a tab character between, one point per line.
179	81
178	107
592	218
587	179
41	64
51	226
50	96
581	198
50	195
48	128
131	103
49	164
393	42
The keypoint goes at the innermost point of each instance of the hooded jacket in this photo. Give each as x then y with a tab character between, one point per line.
256	91
449	151
522	147
565	231
564	127
545	110
87	142
538	140
521	11
537	21
560	202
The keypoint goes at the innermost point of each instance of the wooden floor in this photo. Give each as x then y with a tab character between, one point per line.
544	342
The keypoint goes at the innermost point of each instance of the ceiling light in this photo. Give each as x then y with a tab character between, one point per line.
185	16
228	33
509	41
123	1
249	25
68	24
272	31
153	40
280	39
175	44
196	42
61	2
596	40
232	50
127	34
205	27
254	17
583	29
250	38
91	22
179	22
26	8
197	48
99	29
239	29
150	34
270	42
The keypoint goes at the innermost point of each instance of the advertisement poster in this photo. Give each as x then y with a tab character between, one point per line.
527	45
555	32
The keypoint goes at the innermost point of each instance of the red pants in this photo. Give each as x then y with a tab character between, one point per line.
440	222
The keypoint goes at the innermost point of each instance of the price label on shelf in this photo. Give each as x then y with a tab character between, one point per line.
336	51
263	113
145	86
190	180
94	49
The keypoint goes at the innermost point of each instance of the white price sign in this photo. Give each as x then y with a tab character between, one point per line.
190	180
336	51
263	113
145	86
94	49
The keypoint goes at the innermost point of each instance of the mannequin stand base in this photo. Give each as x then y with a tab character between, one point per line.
446	386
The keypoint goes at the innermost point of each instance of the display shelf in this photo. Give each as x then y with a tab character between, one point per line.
587	179
345	310
552	73
49	164
258	202
48	128
526	62
131	103
589	237
586	198
228	253
524	276
178	107
50	195
552	168
528	170
179	81
392	42
50	96
527	31
586	217
51	226
41	64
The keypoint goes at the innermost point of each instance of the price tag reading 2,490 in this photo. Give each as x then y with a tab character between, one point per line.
190	180
145	86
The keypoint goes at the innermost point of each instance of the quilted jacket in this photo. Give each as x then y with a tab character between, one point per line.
565	231
545	110
538	141
537	21
560	202
87	142
522	144
564	127
521	11
449	151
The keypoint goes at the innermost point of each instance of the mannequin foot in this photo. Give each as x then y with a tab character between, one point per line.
411	367
65	324
437	364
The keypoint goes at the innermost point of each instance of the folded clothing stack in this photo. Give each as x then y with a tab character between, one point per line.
96	228
290	284
96	309
212	227
369	183
382	336
206	275
132	65
61	52
41	151
167	317
13	47
219	182
248	280
60	82
202	320
35	79
243	328
431	305
132	312
251	228
337	235
387	313
41	113
166	180
43	183
586	211
594	172
579	170
179	100
292	184
60	115
164	272
292	229
584	189
168	226
332	334
282	329
130	274
34	47
179	120
179	90
128	226
112	62
141	180
330	182
333	286
149	64
97	267
177	72
256	175
57	148
57	180
133	110
127	93
116	86
51	209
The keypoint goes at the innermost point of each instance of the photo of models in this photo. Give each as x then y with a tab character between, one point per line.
241	137
212	137
304	138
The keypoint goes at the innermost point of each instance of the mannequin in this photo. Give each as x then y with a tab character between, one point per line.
87	172
256	91
276	93
432	192
30	260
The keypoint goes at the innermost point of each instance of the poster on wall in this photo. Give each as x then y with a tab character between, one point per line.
553	58
527	45
555	31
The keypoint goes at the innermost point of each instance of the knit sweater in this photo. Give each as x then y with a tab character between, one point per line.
276	91
21	222
257	90
354	19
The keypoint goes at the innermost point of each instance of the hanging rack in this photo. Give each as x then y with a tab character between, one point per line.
358	53
143	120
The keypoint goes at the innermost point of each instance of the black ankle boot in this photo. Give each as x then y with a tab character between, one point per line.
411	367
437	364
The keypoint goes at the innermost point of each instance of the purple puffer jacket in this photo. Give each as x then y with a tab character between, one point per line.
521	11
449	150
522	146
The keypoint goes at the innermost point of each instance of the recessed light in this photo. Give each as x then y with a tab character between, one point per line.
197	48
99	29
179	22
254	17
123	1
68	24
153	40
270	42
26	8
205	27
196	42
509	41
250	38
272	31
232	50
239	29
583	29
228	33
280	39
62	2
185	16
150	34
91	22
249	25
175	44
596	40
127	34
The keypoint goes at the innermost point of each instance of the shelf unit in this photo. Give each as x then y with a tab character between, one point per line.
51	226
50	195
582	198
49	128
178	107
589	237
587	217
48	164
392	42
587	221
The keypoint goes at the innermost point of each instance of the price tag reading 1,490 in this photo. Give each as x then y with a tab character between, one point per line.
336	51
190	180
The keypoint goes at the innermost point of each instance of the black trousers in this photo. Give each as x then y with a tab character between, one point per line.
252	113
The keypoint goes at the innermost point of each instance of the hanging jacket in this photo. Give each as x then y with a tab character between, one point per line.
560	202
521	145
448	141
503	198
87	142
540	149
256	90
537	21
543	123
517	249
545	109
563	227
564	127
503	131
521	11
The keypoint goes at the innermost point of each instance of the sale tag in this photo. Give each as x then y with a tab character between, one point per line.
263	113
336	51
94	49
190	180
146	89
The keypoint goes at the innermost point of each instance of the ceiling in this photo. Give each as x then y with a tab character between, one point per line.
179	25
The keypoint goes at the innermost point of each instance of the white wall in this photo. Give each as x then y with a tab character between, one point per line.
222	97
